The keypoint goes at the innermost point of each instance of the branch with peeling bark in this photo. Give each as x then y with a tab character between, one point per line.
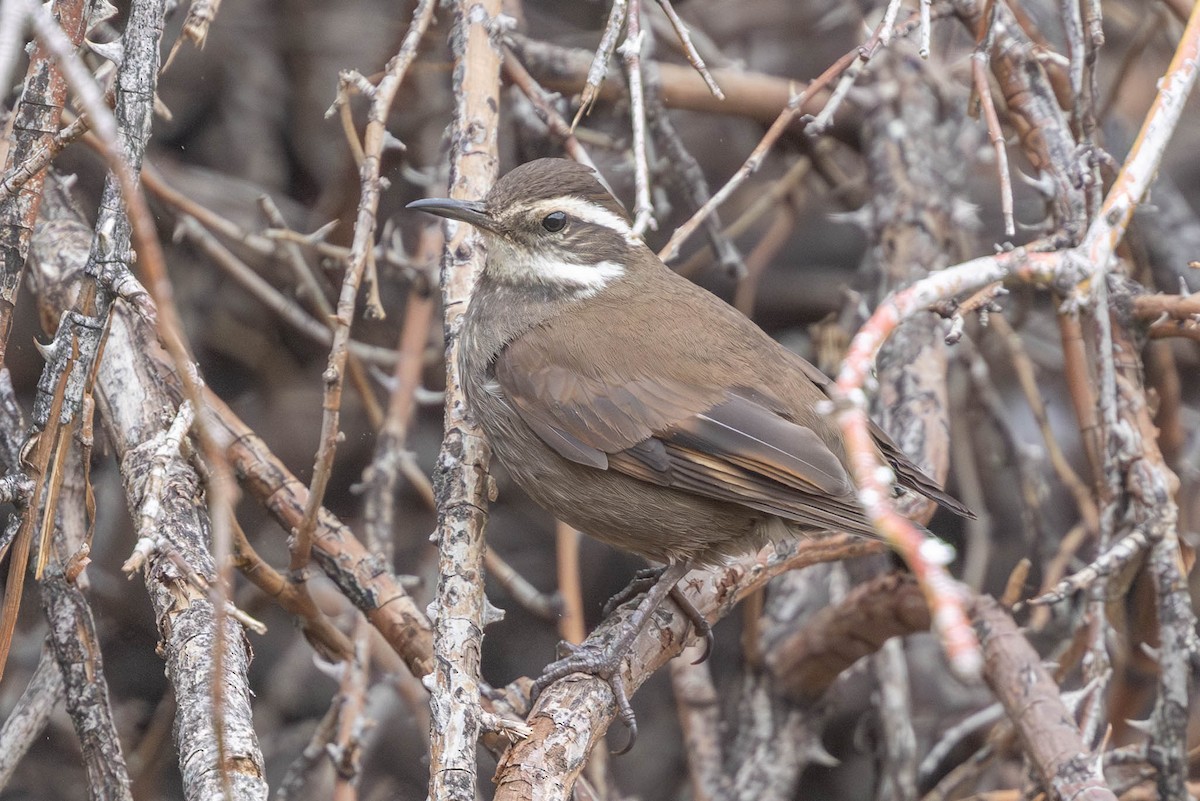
572	714
462	478
1128	524
131	396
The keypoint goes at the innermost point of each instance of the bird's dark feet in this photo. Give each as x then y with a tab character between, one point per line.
645	579
642	581
602	662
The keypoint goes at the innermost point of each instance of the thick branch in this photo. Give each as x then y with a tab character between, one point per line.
462	478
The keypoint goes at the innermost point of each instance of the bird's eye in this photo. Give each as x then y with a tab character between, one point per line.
555	221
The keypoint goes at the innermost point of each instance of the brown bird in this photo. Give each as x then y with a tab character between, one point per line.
636	406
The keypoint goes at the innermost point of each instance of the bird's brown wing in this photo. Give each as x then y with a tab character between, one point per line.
724	444
908	473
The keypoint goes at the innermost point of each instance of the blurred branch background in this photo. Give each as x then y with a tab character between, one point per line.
1067	416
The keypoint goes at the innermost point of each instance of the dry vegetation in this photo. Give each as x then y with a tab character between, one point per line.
947	204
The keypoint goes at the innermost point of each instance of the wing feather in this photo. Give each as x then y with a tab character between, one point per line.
719	444
728	444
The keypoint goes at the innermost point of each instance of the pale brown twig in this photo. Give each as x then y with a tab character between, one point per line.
984	91
599	67
540	604
570	592
1151	26
559	127
326	639
393	457
782	187
631	53
754	95
772	241
1179	307
794	108
965	466
361	250
689	49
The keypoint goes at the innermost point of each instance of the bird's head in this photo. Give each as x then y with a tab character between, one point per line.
551	223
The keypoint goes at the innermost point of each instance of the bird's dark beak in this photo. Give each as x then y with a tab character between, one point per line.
468	211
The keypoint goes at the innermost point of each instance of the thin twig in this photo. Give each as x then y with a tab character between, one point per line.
570	591
374	139
538	98
318	629
794	109
889	21
689	49
540	604
26	721
599	67
1120	555
979	62
631	53
924	6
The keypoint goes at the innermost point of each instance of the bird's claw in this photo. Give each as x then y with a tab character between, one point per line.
600	663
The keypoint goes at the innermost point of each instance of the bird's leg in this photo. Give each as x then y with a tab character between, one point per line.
642	582
604	661
702	627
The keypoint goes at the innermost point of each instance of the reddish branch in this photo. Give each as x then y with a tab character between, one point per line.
1062	267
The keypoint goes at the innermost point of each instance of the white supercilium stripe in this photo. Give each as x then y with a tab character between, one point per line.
589	212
